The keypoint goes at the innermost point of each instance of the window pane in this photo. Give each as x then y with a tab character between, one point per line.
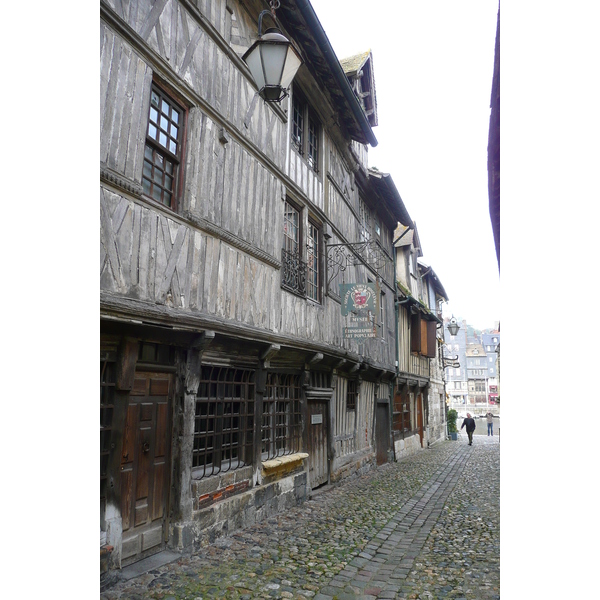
158	176
155	99
172	146
147	169
162	139
153	115
158	160
174	131
148	152
168	182
152	131
146	186
165	107
169	167
164	123
156	193
175	116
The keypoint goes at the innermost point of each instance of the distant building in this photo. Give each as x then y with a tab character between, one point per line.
456	376
477	373
491	344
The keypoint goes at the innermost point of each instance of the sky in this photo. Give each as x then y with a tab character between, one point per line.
433	64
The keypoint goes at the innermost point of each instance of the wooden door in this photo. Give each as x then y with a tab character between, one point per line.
382	432
145	467
318	465
420	417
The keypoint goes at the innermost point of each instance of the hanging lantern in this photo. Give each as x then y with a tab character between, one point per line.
273	61
453	326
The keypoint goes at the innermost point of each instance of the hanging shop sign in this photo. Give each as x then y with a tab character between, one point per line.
360	307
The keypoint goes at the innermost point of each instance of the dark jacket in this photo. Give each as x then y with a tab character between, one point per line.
470	423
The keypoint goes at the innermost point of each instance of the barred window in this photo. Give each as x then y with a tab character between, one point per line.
351	395
281	426
313	259
224	421
293	270
107	402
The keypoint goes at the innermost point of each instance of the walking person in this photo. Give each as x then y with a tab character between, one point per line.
490	423
469	422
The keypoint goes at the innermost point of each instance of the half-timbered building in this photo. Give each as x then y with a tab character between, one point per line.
419	413
228	387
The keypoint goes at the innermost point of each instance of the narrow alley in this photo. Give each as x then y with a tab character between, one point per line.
425	527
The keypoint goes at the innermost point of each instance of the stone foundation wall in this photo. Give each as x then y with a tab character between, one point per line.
407	446
355	464
225	504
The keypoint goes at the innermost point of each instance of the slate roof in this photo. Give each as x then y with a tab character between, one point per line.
352	64
300	19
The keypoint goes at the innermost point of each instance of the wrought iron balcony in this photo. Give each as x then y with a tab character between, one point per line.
293	272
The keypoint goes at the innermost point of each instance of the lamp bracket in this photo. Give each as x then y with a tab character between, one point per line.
342	256
274	6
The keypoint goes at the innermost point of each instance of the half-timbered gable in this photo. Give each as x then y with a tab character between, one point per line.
229	389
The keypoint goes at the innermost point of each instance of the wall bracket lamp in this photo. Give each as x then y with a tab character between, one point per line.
272	59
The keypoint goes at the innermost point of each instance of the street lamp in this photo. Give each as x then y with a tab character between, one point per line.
453	326
272	59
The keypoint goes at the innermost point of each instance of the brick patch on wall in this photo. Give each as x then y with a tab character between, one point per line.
231	490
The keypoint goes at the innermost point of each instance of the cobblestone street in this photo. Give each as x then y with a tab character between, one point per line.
427	526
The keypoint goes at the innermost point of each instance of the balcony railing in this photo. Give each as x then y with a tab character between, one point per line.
419	365
293	272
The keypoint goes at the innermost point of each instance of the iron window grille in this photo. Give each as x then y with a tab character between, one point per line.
224	421
107	402
162	153
351	394
313	260
293	272
281	426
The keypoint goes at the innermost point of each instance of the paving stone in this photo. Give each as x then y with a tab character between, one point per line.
427	526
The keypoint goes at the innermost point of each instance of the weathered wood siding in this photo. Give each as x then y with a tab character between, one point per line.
197	51
353	428
304	176
151	257
124	96
220	253
227	186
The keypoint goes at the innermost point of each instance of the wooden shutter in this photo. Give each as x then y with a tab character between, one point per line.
431	340
424	338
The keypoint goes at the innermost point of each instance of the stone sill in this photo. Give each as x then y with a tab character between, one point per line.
290	461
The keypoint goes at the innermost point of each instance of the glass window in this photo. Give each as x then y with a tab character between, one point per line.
312	262
294	269
305	130
162	151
